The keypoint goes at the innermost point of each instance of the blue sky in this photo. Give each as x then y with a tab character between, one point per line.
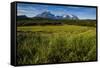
32	10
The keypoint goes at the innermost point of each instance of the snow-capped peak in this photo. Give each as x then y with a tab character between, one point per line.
48	14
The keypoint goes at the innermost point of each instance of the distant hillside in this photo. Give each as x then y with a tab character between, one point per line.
21	17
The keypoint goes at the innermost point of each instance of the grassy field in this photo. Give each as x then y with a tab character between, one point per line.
55	44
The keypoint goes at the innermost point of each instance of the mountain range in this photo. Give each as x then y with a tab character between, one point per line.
49	15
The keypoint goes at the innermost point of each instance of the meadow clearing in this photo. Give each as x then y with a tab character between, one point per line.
55	44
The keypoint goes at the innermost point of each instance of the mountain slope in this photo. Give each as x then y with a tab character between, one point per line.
49	15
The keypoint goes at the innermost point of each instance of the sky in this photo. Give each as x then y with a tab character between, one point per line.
31	10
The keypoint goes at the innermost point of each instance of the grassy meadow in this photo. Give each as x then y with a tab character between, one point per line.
55	44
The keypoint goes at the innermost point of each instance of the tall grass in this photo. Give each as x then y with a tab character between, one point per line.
53	46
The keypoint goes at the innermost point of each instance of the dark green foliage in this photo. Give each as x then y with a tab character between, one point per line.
43	21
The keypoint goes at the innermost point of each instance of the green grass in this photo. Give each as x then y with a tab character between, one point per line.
55	28
54	44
